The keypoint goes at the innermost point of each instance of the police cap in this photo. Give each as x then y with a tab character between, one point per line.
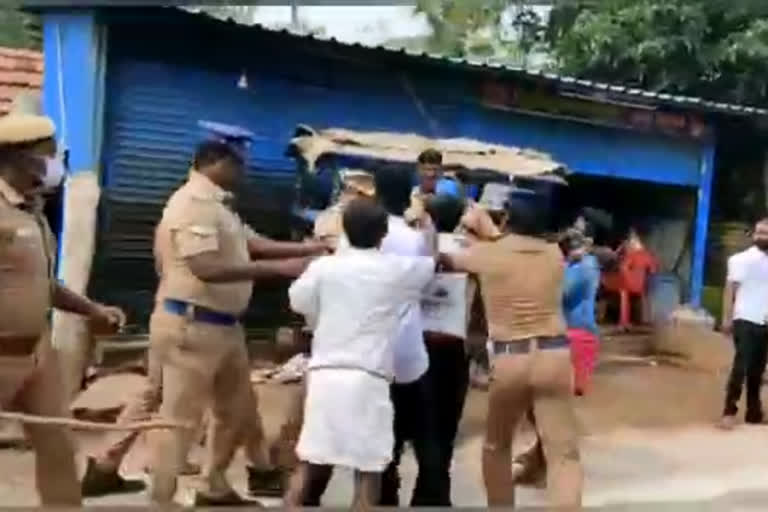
227	133
25	128
527	211
358	180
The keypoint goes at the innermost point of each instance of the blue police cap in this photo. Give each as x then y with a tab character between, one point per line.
227	132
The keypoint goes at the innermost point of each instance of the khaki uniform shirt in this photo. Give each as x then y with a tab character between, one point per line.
198	220
27	254
521	285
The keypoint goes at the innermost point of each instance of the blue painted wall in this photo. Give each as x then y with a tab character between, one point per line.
74	57
590	149
701	226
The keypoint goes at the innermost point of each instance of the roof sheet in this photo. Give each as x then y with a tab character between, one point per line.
569	83
597	90
458	153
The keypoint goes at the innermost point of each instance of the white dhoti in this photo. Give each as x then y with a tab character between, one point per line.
348	420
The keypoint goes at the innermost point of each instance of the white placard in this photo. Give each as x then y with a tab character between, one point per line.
449	243
444	305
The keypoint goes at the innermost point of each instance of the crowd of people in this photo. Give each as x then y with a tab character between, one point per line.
384	370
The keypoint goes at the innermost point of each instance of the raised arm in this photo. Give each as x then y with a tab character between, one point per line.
208	267
196	240
261	247
460	261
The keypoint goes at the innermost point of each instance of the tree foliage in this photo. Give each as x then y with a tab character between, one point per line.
712	48
708	48
19	29
500	30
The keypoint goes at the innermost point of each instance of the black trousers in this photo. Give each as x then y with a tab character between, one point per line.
414	422
427	413
449	375
317	482
751	341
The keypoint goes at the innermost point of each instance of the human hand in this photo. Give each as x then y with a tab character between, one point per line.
107	319
478	222
726	327
320	246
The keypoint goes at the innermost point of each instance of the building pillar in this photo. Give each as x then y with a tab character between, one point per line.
74	45
701	225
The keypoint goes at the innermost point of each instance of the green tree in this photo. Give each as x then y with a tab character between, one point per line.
19	29
709	48
501	30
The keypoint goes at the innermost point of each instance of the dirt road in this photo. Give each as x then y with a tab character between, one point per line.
648	439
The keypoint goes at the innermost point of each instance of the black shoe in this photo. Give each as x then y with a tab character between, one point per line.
754	418
100	482
231	499
265	482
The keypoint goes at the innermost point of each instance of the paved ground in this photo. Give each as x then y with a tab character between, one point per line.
694	465
648	441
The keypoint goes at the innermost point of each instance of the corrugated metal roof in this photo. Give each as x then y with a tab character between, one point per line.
567	83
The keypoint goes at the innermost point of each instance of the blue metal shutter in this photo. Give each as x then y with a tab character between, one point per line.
151	129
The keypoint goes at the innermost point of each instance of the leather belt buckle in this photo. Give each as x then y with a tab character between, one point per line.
189	312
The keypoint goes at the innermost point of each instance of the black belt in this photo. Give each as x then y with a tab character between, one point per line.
199	313
524	346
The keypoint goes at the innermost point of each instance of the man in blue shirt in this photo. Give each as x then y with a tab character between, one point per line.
582	280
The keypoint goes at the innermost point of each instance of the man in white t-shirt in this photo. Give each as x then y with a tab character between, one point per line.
745	314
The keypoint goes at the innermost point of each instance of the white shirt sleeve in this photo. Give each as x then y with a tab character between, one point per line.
304	294
420	273
736	269
343	243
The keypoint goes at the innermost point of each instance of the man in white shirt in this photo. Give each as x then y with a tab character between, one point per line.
412	392
354	302
446	310
745	314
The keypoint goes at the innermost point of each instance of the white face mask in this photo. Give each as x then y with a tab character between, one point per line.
54	173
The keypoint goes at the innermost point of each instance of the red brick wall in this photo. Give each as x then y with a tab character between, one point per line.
20	71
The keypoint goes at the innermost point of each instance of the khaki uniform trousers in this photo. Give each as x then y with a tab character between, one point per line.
145	405
252	433
283	449
33	385
140	407
543	380
202	364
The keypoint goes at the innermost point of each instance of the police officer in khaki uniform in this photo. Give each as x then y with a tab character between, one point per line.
521	276
30	379
102	474
205	258
354	183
